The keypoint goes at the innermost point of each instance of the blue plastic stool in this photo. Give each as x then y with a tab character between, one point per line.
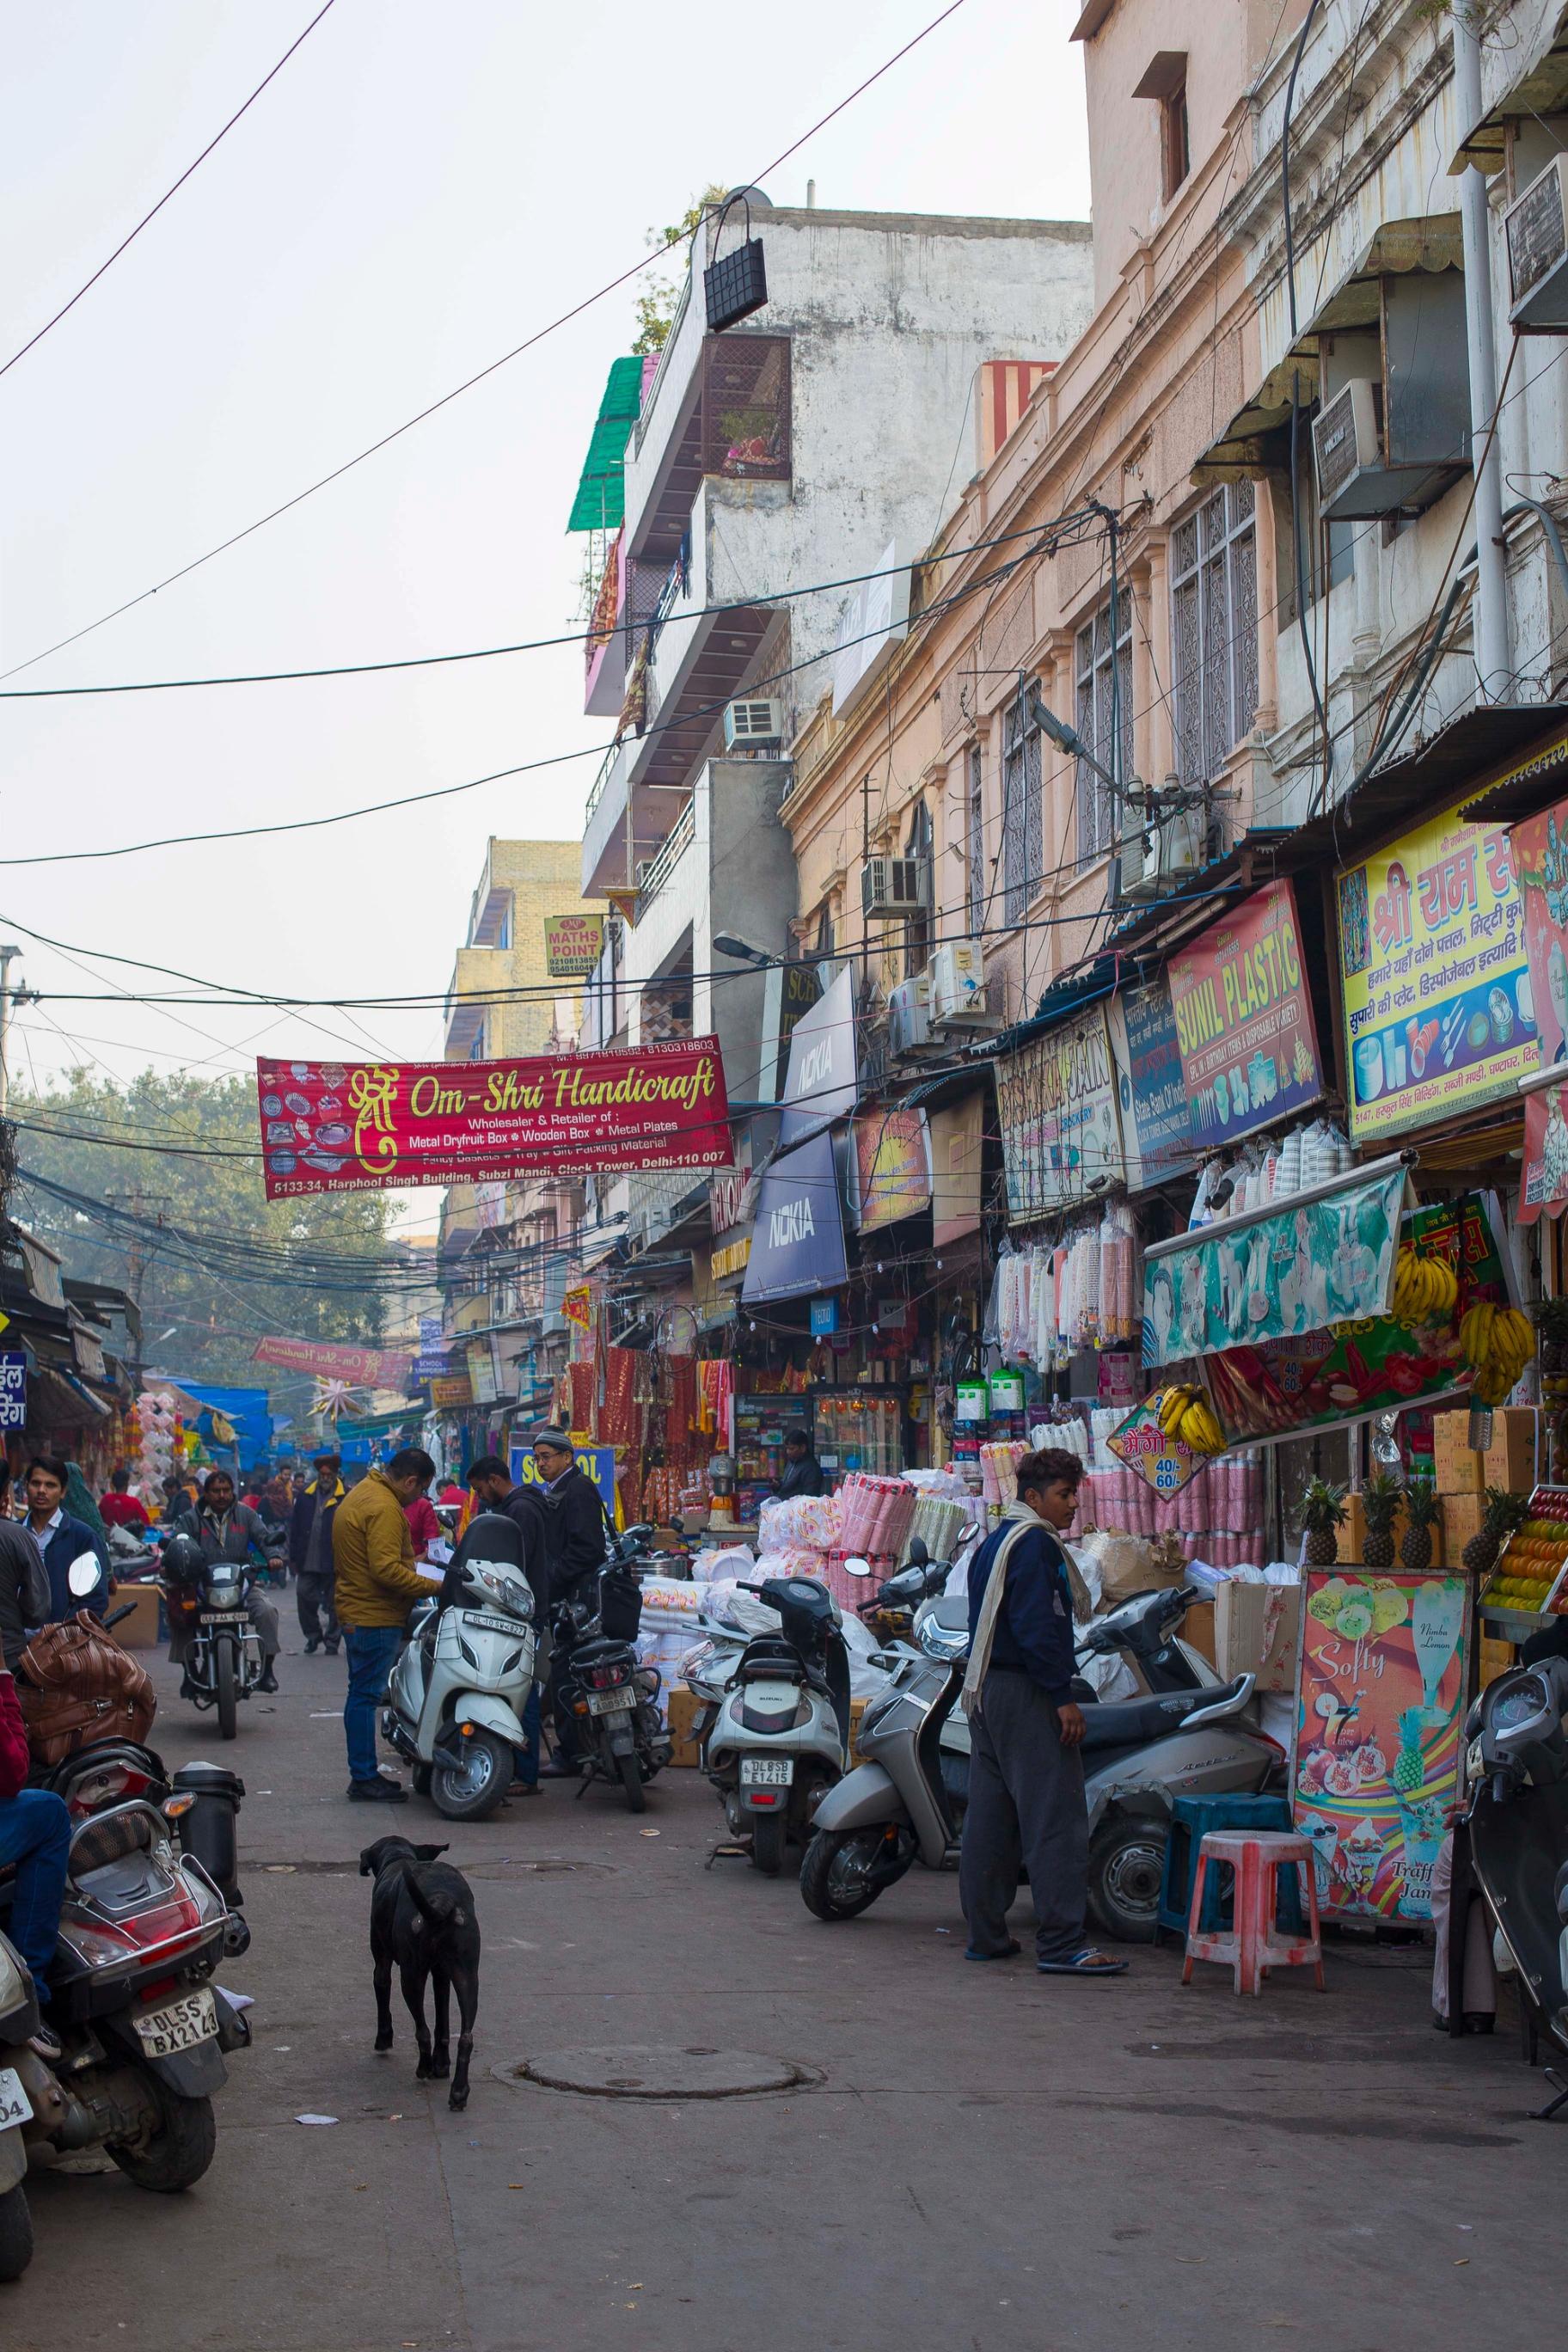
1190	1818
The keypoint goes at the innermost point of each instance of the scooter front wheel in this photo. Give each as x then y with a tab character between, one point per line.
16	2234
842	1876
473	1793
227	1689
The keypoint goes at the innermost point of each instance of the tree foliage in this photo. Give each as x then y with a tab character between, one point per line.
181	1132
656	305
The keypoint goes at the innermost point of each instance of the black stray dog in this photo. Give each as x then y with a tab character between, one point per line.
422	1917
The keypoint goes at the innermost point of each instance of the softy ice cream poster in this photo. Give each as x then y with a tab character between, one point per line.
1379	1712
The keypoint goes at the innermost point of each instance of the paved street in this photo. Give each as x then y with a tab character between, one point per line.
988	2161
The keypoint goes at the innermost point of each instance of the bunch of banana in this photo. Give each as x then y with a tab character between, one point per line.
1186	1413
1499	1341
1423	1287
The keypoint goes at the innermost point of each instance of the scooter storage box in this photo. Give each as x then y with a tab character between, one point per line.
1191	1819
208	1831
620	1606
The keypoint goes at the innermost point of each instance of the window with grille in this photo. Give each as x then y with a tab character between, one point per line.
974	855
1023	809
1104	684
824	928
1213	630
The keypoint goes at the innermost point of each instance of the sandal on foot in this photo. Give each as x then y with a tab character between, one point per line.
1087	1963
1007	1952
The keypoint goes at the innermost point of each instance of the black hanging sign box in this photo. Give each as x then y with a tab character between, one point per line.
736	285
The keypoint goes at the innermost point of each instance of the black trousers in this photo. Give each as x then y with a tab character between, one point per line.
1026	1806
313	1593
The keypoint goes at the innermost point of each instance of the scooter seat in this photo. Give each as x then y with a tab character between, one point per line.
1134	1722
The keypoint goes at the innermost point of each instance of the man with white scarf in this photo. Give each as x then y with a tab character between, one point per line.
1025	1775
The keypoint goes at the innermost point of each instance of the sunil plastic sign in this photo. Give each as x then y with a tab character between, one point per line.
1375	1764
1277	1276
1244	1019
1439	1013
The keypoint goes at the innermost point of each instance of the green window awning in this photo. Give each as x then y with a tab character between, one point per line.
600	502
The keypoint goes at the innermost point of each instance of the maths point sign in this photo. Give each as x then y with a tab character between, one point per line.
364	1126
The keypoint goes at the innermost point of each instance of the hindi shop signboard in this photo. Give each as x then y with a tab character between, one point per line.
572	945
1056	1106
361	1127
1156	1125
1438	1015
328	1359
1244	1020
13	1388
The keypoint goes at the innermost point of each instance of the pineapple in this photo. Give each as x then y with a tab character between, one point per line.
1409	1766
1322	1512
1551	1322
1421	1505
1380	1500
1504	1513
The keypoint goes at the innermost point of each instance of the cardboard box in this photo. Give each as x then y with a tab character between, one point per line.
1516	1456
1456	1463
683	1703
1496	1658
1462	1517
1350	1542
1258	1631
140	1631
1198	1628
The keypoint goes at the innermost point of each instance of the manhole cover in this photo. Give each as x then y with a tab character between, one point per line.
638	2071
544	1865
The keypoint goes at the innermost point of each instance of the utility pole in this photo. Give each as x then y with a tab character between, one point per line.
9	954
1493	663
137	1203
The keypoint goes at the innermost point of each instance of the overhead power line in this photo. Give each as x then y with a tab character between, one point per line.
33	340
446	398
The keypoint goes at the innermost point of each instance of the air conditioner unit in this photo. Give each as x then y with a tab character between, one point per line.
892	886
749	723
957	975
1394	432
1535	227
1345	440
909	1017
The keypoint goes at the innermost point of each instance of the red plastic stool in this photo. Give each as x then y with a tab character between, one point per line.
1251	1944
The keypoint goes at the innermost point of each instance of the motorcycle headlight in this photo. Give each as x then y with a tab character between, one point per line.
510	1592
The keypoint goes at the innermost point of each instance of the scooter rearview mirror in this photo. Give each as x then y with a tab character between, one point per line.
82	1576
857	1567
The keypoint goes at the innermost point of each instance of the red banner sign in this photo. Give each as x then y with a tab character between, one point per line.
326	1359
361	1127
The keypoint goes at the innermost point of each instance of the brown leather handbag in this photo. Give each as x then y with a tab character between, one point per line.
76	1685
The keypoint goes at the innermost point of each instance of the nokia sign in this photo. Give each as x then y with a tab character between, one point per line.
822	1083
797	1243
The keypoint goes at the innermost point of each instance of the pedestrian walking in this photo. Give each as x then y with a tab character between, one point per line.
423	1525
378	1584
575	1539
1026	1774
310	1556
62	1538
119	1508
492	1484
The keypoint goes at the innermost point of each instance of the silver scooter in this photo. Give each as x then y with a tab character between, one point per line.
1186	1734
1517	1831
781	1738
457	1694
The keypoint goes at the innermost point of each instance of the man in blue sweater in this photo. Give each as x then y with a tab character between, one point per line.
1026	1774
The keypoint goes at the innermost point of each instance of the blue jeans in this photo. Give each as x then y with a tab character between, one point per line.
371	1652
528	1754
35	1834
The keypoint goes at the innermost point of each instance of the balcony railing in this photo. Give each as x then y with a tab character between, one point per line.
658	871
596	792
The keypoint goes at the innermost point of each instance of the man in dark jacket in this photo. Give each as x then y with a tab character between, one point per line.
573	1517
229	1530
24	1589
310	1556
62	1539
492	1484
1025	1773
803	1472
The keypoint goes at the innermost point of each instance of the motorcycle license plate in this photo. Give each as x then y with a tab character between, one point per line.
514	1626
16	2106
164	2031
223	1617
767	1771
611	1702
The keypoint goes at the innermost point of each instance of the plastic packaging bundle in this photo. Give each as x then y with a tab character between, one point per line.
803	1523
938	1521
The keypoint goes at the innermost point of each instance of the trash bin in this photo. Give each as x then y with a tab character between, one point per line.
207	1826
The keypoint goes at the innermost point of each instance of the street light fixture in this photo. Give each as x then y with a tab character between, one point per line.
725	944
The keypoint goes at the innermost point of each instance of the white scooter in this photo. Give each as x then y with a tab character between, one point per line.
781	1738
456	1695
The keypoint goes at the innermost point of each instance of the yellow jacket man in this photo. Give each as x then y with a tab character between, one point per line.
378	1584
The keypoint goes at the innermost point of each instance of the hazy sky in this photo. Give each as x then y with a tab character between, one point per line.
422	186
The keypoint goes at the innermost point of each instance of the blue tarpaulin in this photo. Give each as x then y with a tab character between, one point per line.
248	1412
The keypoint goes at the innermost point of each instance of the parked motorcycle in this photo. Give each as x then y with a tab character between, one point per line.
143	2028
1518	1824
1187	1733
222	1659
455	1696
781	1738
614	1702
18	2022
